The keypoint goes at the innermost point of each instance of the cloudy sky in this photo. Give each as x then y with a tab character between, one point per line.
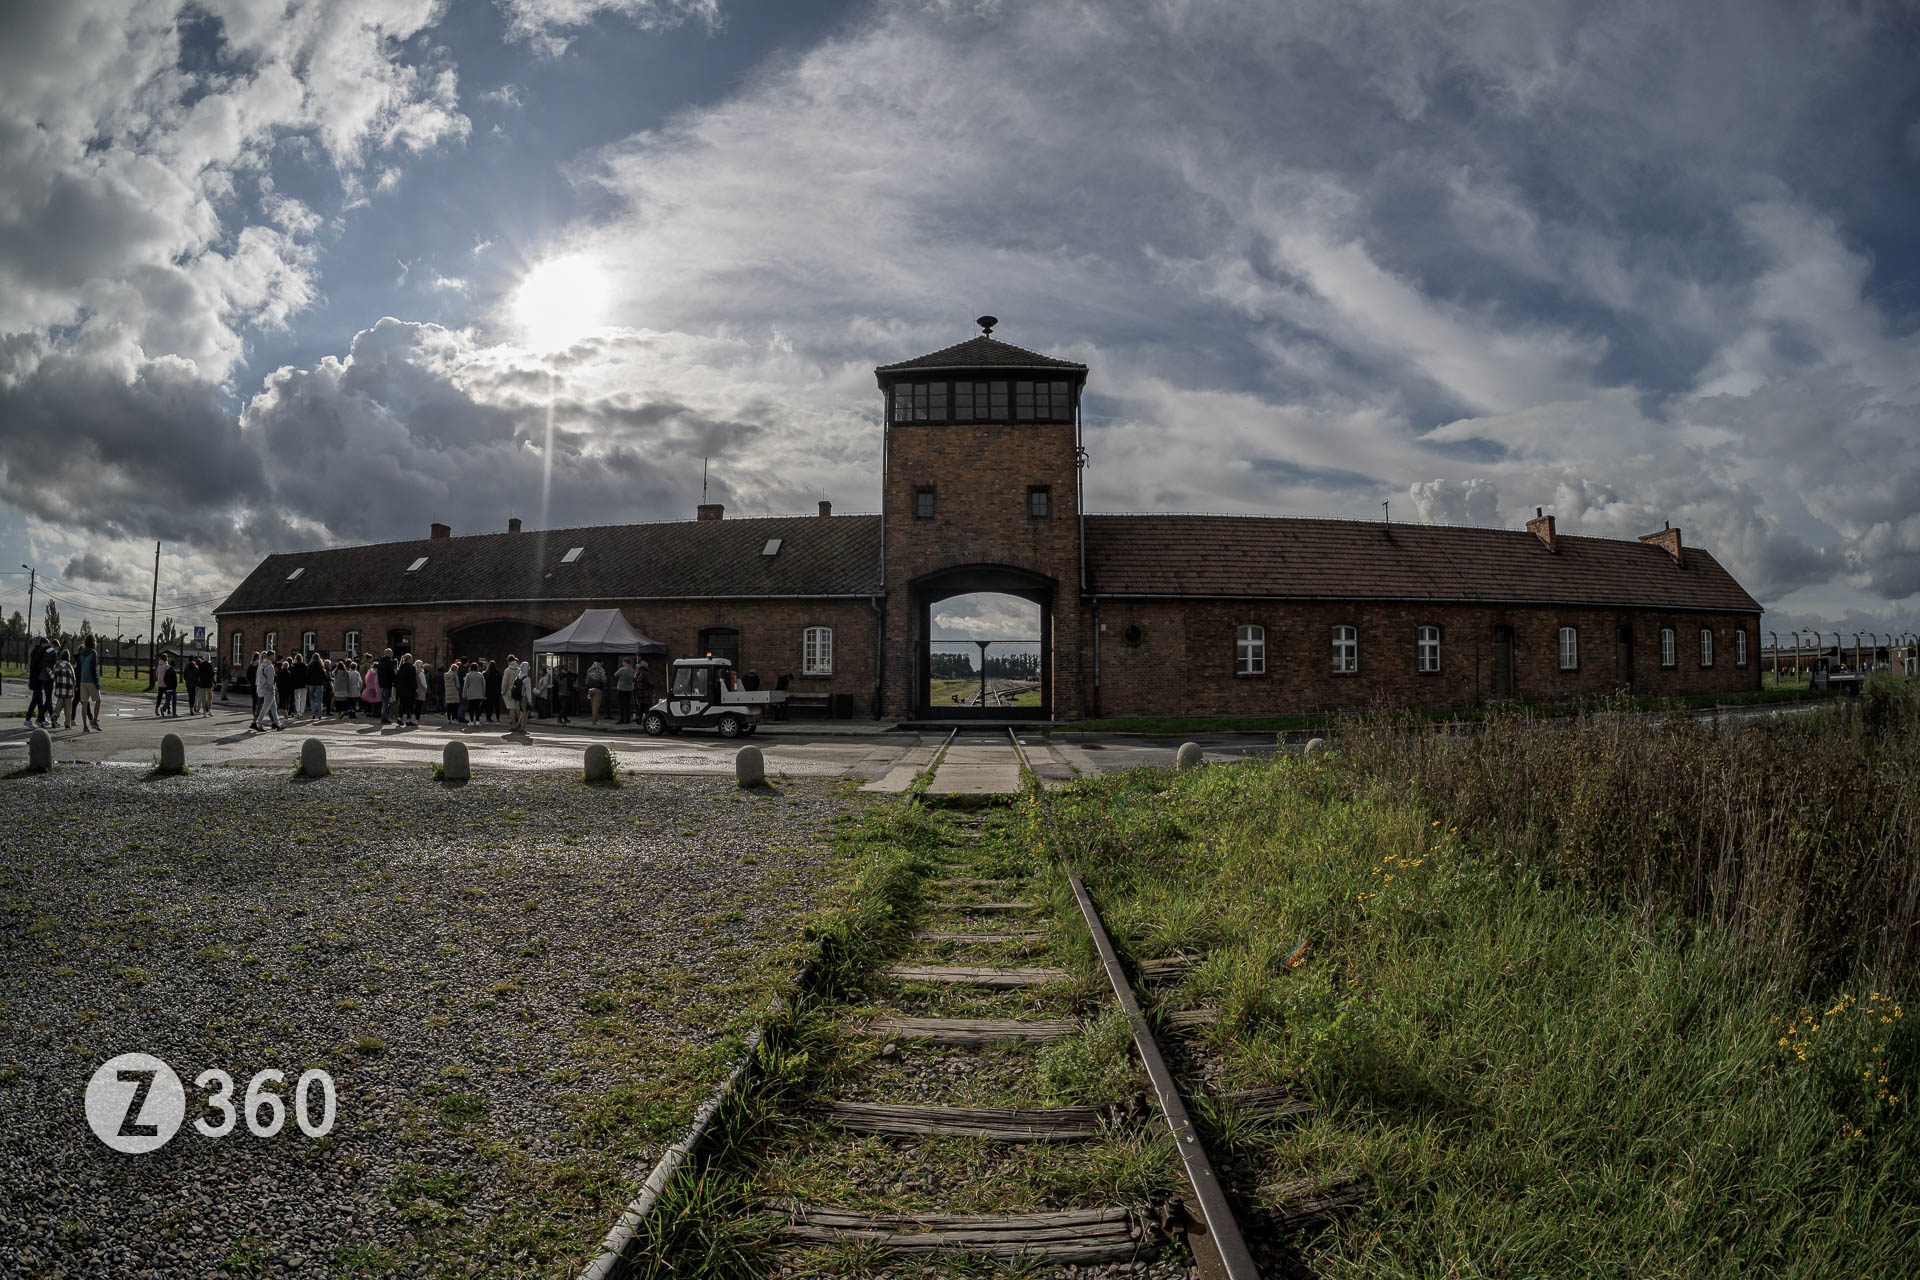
287	274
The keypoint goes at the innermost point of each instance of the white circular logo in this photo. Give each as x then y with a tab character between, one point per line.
135	1103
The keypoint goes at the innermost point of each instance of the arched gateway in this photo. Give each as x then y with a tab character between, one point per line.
982	494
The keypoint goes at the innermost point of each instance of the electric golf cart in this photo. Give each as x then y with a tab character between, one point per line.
706	694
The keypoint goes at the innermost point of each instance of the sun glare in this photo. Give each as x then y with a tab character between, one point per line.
561	301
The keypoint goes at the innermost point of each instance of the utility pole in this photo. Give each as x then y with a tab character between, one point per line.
33	576
153	614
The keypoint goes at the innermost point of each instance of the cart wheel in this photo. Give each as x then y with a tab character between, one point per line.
730	726
654	723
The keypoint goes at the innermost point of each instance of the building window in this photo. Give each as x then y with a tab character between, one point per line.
417	565
923	504
1427	649
1038	501
573	553
1250	651
1569	649
816	652
1346	651
919	402
308	642
273	642
236	650
1740	647
980	401
296	573
1667	647
351	643
1706	646
1043	401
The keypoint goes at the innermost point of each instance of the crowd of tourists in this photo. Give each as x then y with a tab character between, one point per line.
401	689
63	684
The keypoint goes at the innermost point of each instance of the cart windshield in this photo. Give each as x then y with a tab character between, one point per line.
692	682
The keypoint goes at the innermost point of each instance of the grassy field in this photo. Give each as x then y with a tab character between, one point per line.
1623	1003
127	682
1771	694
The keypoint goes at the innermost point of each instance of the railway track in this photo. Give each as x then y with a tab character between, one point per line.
991	1089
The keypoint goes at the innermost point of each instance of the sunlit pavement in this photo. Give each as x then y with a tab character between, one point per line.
130	736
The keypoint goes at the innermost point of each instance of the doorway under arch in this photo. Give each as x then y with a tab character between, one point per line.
495	639
1017	667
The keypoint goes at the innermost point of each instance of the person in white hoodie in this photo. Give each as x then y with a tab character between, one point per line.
266	684
476	691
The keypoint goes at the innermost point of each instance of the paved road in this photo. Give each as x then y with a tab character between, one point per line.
864	751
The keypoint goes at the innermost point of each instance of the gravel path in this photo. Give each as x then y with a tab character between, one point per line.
517	985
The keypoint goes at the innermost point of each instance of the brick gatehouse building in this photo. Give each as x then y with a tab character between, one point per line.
1140	614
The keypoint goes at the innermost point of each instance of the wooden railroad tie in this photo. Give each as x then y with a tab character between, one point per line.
963	935
973	884
1000	1124
1189	1019
1071	1235
975	976
989	907
1262	1104
1302	1202
971	1031
1166	967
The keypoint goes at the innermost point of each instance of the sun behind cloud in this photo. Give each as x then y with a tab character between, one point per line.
561	301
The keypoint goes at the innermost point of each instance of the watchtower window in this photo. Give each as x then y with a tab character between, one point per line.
923	504
980	401
1043	401
920	402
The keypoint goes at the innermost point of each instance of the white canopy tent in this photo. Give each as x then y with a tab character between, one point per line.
599	631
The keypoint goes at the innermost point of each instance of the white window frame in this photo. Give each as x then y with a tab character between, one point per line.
351	643
1426	645
1346	650
417	565
1740	647
272	642
573	554
1249	650
309	641
816	651
296	573
1706	647
237	648
1669	648
1569	648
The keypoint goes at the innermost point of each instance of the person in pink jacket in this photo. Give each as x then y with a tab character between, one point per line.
370	691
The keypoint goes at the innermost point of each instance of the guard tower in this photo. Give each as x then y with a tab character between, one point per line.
981	492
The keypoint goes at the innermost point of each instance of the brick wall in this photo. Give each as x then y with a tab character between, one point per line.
981	474
1184	661
771	633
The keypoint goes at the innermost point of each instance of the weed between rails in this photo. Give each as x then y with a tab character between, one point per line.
1544	1072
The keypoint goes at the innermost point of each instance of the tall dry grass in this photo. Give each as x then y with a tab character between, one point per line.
1797	835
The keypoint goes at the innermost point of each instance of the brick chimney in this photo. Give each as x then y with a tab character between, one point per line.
1668	540
513	524
438	531
709	511
826	509
1541	527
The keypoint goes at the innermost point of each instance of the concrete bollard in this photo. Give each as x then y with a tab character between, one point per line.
599	763
749	767
1316	746
313	759
39	751
454	766
1188	756
173	754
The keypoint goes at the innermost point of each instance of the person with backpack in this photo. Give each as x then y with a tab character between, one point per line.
596	688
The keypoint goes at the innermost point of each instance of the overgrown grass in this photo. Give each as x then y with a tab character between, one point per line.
1795	836
1545	1071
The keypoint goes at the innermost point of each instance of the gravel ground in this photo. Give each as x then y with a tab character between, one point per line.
518	986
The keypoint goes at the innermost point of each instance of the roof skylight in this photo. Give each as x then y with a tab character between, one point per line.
772	548
573	553
415	566
296	573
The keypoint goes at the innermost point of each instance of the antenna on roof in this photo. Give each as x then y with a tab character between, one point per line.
986	324
1386	512
703	479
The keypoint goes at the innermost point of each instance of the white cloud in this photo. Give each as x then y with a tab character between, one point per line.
551	25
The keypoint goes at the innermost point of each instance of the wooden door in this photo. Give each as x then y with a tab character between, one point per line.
1503	662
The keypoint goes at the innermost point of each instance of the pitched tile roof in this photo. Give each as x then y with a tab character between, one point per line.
982	353
818	556
1364	560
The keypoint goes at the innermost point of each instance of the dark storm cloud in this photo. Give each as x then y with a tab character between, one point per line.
88	567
